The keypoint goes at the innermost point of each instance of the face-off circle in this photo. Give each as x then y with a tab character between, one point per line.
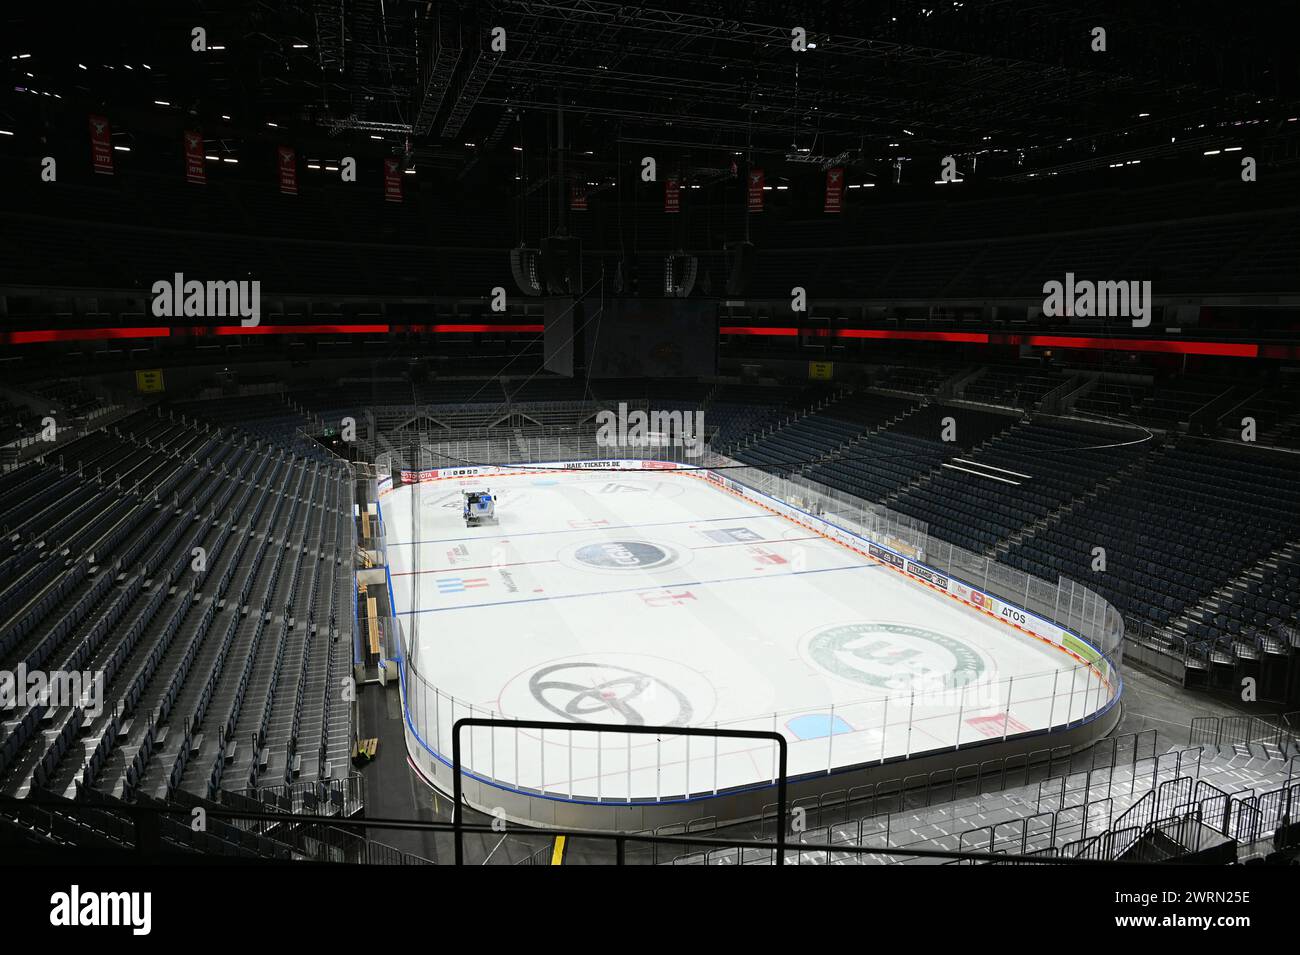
622	556
893	656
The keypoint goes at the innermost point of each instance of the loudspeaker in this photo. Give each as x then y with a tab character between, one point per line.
562	264
525	265
679	274
740	266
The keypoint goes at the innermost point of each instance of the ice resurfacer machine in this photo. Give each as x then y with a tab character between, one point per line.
479	508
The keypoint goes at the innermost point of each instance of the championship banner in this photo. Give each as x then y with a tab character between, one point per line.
195	170
101	145
577	198
288	170
672	195
392	180
834	189
756	190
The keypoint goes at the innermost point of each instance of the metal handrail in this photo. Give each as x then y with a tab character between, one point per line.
544	725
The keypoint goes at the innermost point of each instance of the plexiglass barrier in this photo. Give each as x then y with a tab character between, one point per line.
924	716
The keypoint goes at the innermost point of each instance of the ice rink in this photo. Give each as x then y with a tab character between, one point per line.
657	598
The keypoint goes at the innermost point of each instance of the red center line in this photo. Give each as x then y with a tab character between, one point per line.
525	563
456	570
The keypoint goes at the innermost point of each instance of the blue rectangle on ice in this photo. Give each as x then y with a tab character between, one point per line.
817	726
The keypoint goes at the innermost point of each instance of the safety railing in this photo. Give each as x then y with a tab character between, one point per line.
1280	731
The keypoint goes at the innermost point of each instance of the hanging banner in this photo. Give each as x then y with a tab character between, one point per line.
577	198
756	190
392	180
195	170
101	145
834	189
672	195
288	170
821	370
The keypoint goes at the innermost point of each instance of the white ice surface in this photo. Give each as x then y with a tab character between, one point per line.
740	619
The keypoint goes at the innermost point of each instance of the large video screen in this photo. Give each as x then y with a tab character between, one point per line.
654	338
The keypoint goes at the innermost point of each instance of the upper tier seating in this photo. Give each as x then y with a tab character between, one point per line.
1047	459
1189	520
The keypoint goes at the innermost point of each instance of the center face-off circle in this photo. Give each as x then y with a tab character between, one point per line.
622	556
894	656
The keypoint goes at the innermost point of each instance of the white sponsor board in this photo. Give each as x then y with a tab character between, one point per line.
894	558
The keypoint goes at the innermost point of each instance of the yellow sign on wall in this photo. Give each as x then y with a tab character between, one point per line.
149	381
821	370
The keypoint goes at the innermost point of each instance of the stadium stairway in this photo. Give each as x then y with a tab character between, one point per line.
1186	522
1044	523
1097	814
1260	598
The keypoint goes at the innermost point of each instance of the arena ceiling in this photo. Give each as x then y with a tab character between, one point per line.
1010	88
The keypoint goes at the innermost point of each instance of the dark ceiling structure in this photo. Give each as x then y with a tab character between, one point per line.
1012	90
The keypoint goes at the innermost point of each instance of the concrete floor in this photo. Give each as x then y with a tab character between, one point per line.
393	790
1152	703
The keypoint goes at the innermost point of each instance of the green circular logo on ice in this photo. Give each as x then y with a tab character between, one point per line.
895	656
624	555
